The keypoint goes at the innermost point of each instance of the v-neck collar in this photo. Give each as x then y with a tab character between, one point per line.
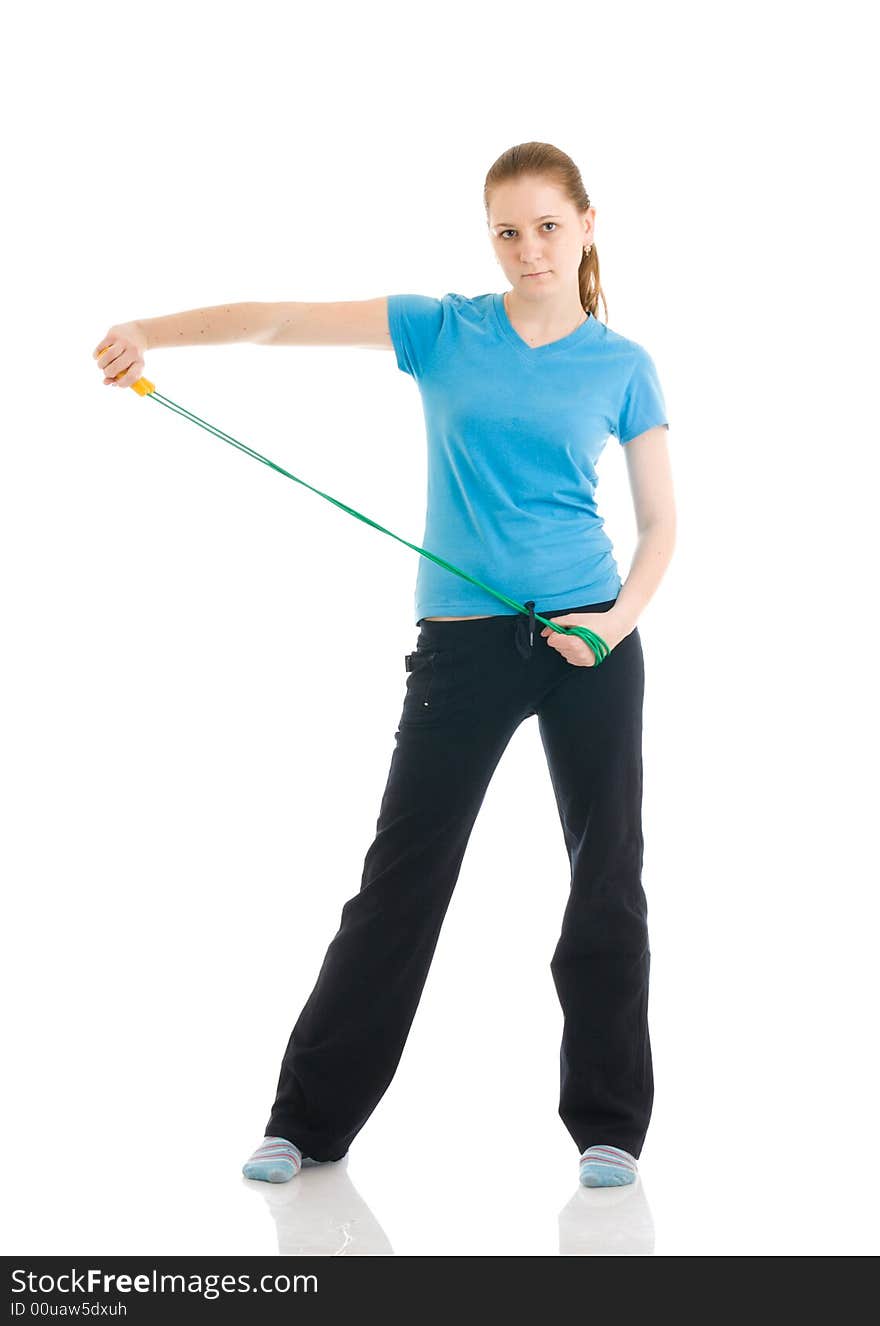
505	326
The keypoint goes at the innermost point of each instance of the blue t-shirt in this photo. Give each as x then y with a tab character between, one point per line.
514	434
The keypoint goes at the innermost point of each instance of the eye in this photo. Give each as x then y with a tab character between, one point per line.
510	232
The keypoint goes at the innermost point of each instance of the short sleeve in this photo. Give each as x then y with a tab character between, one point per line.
414	323
643	406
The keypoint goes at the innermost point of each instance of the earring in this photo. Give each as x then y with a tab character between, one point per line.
587	250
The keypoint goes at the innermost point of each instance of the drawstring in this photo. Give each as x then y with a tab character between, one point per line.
526	651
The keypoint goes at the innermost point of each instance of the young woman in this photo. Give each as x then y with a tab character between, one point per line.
520	392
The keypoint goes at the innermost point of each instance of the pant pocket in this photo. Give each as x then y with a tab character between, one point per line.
430	686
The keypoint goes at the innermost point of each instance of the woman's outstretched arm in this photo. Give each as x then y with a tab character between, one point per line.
360	322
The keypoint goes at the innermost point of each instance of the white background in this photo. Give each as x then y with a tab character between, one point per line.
203	662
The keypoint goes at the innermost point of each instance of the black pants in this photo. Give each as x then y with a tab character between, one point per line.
469	686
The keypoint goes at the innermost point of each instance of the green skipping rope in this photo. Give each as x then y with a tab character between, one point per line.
599	647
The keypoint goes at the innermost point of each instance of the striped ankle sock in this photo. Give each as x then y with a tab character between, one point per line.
607	1167
275	1161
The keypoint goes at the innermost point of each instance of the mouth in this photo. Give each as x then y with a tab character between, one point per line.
528	274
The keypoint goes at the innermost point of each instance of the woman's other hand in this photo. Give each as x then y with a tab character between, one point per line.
611	629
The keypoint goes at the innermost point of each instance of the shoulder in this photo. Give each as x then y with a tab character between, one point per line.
447	315
449	307
420	325
624	349
466	308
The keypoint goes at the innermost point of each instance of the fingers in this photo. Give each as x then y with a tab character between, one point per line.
120	360
578	658
130	372
114	363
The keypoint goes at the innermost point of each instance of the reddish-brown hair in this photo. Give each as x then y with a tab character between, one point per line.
547	161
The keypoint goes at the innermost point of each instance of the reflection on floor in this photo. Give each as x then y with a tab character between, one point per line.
607	1222
321	1213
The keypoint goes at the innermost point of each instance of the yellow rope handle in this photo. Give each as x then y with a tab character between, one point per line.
143	386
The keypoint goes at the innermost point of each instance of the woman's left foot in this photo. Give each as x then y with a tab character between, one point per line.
607	1167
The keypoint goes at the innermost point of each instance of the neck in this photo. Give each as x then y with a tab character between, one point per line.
570	317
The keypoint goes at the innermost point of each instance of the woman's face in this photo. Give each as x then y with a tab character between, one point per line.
535	229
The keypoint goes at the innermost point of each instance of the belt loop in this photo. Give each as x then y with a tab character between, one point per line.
530	604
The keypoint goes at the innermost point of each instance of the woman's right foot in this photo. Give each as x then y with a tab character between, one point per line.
275	1161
